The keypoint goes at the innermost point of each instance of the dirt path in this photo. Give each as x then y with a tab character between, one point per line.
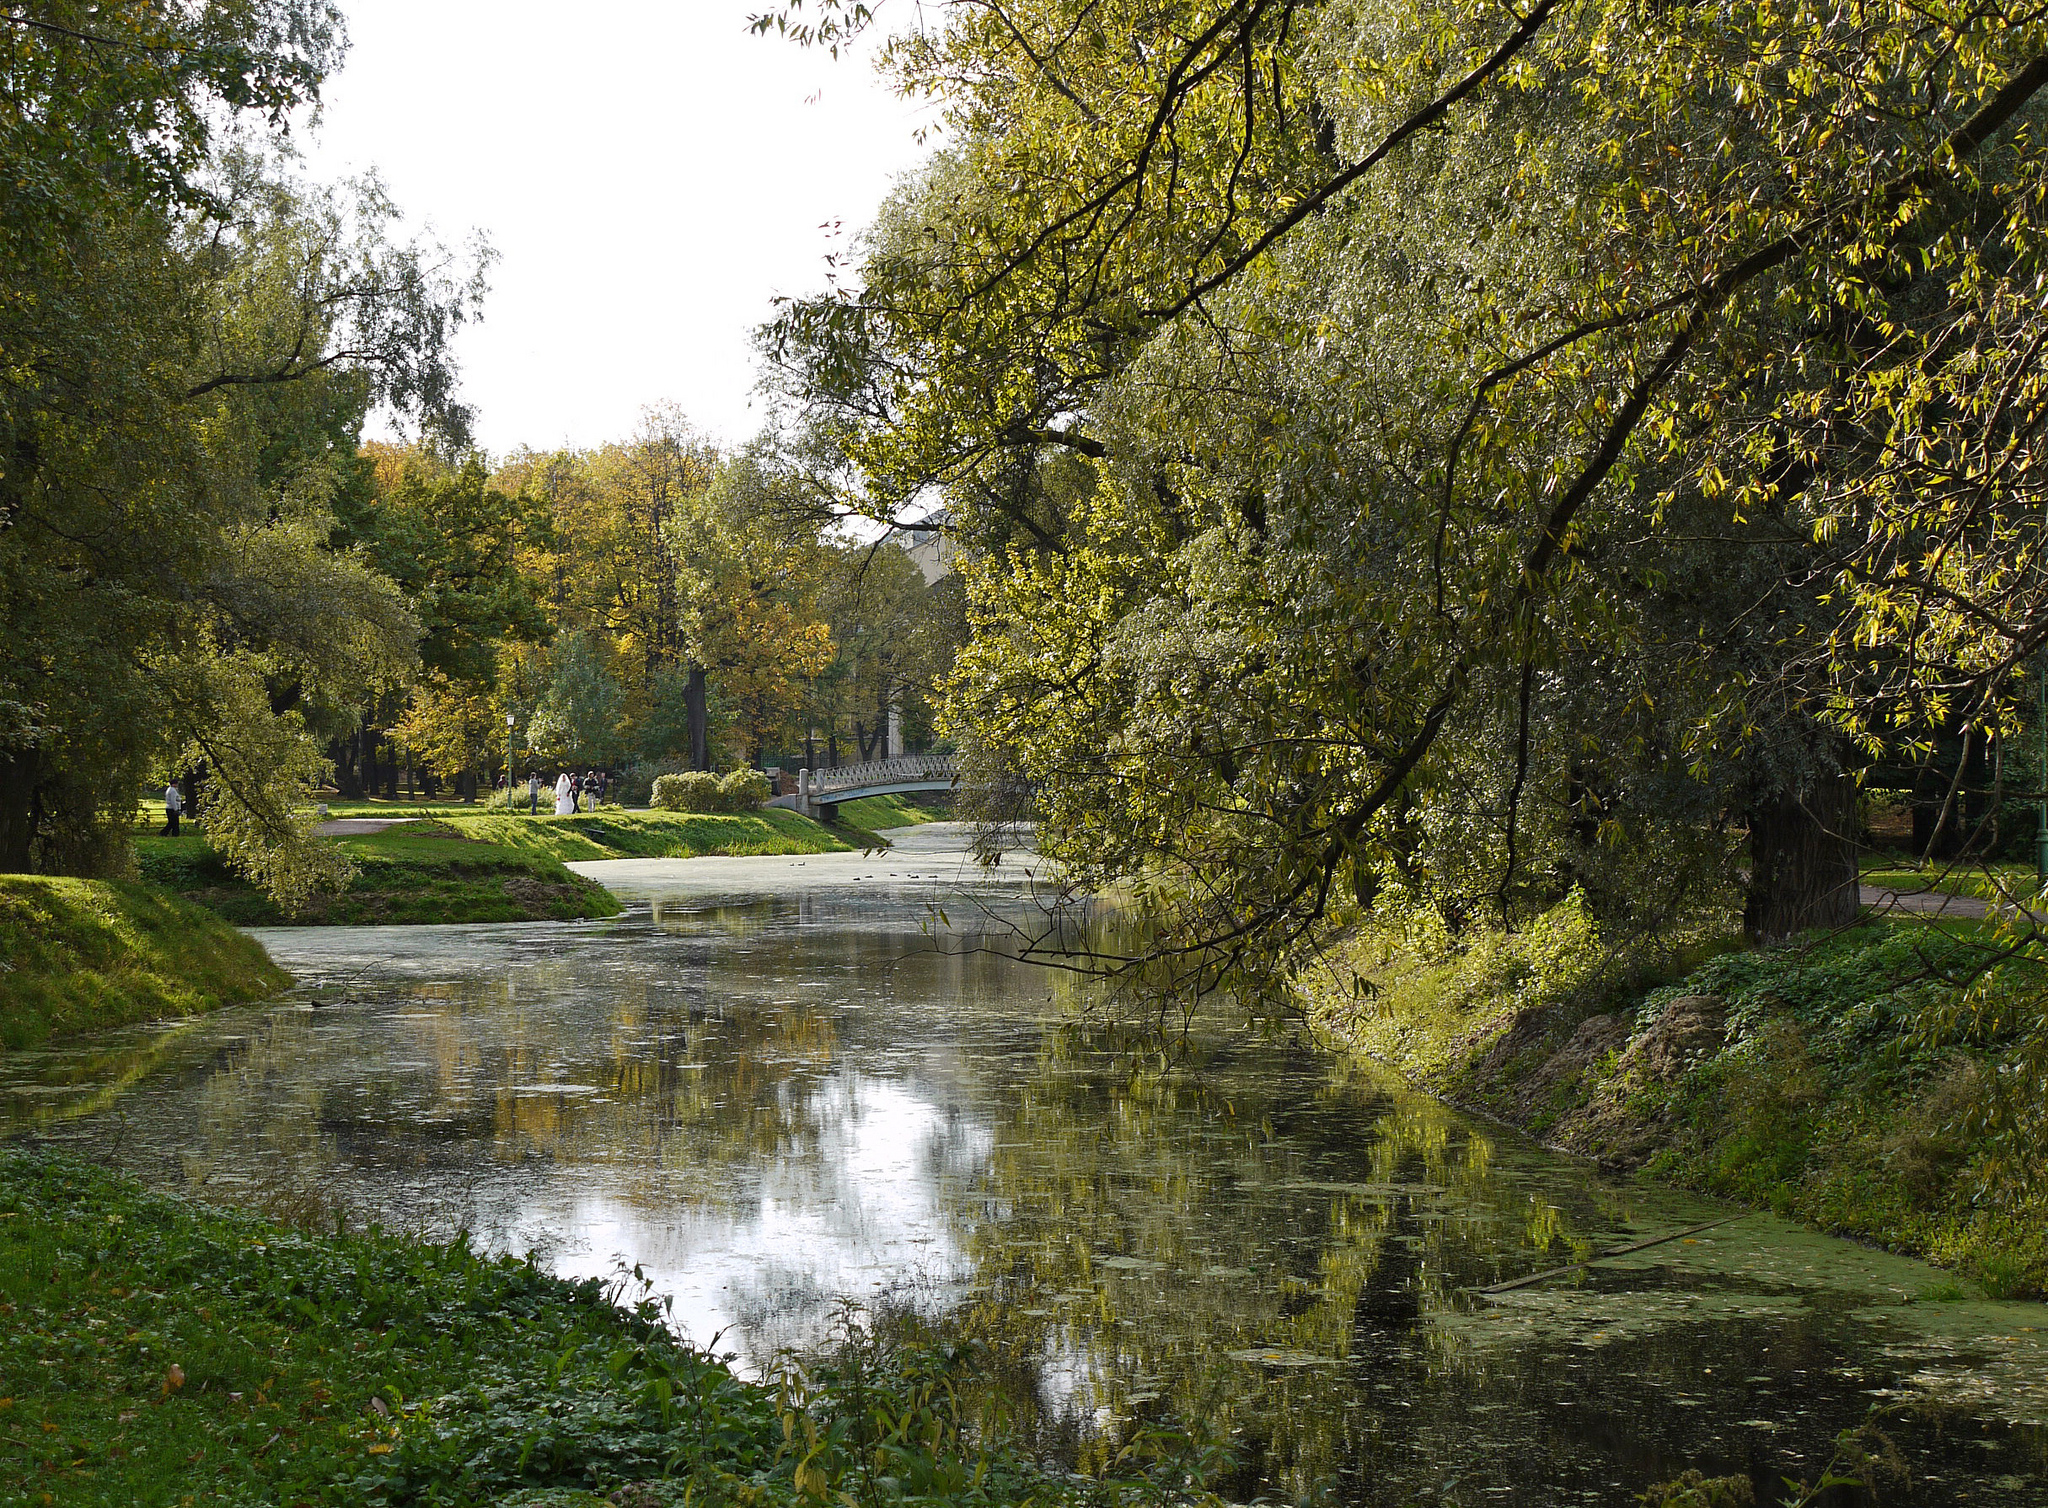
355	827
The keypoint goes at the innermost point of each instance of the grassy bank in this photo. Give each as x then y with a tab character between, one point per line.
76	955
874	814
469	864
1852	1083
650	833
623	833
422	872
158	1352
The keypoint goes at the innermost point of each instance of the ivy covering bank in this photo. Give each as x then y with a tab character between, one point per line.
161	1352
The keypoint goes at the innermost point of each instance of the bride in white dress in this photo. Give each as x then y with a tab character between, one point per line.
565	795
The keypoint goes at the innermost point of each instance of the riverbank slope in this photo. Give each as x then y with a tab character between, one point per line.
78	955
426	871
162	1352
464	864
1853	1083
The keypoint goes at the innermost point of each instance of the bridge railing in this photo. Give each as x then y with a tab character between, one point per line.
819	785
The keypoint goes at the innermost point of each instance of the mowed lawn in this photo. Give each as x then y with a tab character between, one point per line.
456	863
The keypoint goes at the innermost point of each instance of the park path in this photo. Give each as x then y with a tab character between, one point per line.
355	827
1925	902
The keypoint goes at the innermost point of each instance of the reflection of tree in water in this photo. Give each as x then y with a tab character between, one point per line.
1144	1215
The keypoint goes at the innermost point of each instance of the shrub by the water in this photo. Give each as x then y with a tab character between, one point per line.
742	790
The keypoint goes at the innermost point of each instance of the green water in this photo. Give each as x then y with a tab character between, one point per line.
768	1104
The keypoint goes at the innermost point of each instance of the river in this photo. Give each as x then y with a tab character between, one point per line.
777	1084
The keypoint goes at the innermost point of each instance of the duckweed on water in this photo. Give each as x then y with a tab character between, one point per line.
159	1352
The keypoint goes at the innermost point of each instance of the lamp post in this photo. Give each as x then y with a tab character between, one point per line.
508	761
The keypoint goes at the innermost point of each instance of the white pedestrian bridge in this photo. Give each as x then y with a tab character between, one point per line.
819	792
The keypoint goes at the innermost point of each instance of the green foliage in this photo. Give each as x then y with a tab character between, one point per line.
690	791
744	790
193	339
1694	1489
1411	447
80	955
1547	964
158	1350
578	719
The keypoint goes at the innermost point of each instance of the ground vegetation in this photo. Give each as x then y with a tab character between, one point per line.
424	872
161	1351
81	955
1866	1085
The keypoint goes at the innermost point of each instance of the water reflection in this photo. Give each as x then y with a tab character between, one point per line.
767	1104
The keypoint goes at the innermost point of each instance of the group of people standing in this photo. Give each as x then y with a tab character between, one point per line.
573	792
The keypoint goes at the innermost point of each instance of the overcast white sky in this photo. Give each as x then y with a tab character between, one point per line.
651	174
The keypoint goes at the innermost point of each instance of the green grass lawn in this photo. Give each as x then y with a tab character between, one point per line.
424	872
456	863
76	955
622	833
875	813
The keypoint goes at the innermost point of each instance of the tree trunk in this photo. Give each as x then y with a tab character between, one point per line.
18	774
1802	857
697	703
347	756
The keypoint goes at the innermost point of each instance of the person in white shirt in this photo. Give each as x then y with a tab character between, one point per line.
174	803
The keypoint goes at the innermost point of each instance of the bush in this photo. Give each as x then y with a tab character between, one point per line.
690	791
744	790
701	791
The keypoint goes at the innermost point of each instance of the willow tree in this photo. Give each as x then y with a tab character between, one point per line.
192	341
1451	445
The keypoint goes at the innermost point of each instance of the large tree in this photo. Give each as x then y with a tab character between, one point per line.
192	341
1401	443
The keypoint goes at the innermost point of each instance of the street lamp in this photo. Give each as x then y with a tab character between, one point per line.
508	762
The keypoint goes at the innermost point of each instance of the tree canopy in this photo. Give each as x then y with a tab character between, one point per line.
192	338
1470	450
